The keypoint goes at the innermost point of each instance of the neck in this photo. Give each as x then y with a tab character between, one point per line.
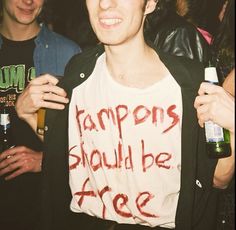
134	65
125	59
19	32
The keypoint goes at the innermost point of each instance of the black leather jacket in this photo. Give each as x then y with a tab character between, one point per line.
177	36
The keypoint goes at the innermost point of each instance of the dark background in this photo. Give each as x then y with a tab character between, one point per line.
70	18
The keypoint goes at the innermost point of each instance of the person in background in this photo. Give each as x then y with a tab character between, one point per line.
224	53
27	49
203	14
224	41
128	143
173	34
197	14
182	7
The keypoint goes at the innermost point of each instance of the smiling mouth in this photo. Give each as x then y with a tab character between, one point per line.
26	12
110	21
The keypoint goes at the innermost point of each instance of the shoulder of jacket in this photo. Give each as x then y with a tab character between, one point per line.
188	72
81	66
86	59
50	37
180	61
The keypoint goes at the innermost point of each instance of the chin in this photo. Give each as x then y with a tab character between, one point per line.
109	43
26	21
110	40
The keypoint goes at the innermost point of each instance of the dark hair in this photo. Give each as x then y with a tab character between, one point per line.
1	9
224	40
164	8
46	15
204	13
226	33
74	23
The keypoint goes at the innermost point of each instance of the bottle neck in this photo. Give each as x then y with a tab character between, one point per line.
4	128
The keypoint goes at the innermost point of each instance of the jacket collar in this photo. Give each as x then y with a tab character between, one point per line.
44	35
176	65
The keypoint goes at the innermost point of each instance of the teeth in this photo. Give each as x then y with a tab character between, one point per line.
110	21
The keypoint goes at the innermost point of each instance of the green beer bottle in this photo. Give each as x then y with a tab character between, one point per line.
217	138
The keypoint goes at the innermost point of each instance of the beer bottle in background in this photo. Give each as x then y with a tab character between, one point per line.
217	138
6	140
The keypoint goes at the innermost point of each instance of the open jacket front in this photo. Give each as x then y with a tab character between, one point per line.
196	171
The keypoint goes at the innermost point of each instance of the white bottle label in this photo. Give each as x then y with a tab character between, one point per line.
214	133
4	120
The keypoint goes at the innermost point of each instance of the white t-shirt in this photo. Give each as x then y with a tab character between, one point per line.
125	149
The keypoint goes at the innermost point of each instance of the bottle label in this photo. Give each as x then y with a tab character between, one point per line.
214	133
5	121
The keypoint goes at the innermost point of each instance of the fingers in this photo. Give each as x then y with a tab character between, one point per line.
7	154
203	114
208	88
206	106
215	104
49	88
203	99
15	174
52	101
11	167
41	92
52	105
19	160
19	167
208	93
44	79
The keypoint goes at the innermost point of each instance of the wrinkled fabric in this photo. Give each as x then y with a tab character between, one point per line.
178	37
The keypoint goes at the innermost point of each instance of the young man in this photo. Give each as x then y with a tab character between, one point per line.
136	155
27	50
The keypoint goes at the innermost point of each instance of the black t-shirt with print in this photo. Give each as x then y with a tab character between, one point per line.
20	197
17	70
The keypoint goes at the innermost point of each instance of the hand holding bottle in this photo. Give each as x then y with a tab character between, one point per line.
217	137
215	104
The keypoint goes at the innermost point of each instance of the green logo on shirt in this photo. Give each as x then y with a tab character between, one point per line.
14	77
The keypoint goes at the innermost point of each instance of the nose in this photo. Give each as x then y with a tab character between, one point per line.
28	1
106	4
